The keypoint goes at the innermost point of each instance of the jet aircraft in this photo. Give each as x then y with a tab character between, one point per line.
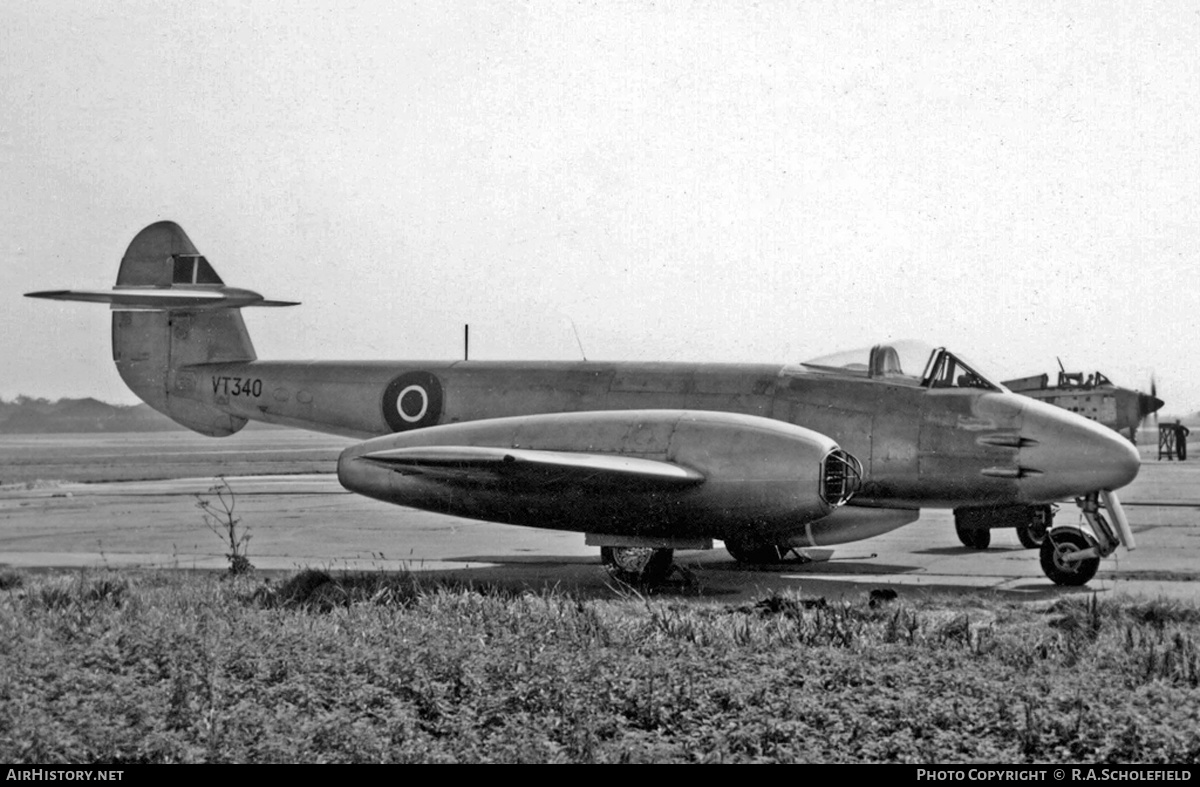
643	458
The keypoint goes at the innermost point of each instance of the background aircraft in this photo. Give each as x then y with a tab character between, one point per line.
643	458
1094	397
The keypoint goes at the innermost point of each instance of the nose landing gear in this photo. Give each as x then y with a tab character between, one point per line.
1070	554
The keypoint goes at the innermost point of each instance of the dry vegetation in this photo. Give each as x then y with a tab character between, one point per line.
170	667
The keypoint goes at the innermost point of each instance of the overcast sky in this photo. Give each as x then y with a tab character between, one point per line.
708	181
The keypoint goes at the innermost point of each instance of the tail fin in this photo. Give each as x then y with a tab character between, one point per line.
172	311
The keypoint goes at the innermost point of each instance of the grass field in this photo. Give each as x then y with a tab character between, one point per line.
194	667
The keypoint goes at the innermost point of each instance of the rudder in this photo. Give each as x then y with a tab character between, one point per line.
162	255
150	349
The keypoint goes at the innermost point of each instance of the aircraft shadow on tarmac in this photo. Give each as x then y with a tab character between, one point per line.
957	551
713	578
713	563
537	560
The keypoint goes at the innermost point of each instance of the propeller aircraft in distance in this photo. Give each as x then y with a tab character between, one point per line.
643	458
1095	397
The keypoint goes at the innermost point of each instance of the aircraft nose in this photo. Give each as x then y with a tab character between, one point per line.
1148	403
1071	456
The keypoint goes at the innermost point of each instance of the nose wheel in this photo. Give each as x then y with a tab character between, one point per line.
1070	558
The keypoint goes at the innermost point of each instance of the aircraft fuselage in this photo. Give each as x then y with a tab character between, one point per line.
919	446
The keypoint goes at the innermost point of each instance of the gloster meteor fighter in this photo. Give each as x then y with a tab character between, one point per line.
643	458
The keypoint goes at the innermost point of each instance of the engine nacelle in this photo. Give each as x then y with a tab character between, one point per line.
611	473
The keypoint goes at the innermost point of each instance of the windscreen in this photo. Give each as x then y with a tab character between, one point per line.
949	370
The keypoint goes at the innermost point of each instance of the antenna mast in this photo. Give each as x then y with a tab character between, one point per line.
577	339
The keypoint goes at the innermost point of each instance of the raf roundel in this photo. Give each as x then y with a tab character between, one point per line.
412	401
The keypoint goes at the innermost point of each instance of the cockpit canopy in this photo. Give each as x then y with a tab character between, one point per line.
898	362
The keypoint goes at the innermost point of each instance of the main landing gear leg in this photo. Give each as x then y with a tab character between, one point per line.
643	560
638	565
973	525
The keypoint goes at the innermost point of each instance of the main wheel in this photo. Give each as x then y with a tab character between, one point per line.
1032	532
973	537
754	554
1055	550
1029	538
637	565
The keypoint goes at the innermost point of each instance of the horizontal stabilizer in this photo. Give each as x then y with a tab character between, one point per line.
162	298
473	464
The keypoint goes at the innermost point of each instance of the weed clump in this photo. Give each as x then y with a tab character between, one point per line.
317	590
216	508
81	591
1163	611
787	605
311	588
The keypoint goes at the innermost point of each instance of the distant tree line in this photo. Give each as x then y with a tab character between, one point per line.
37	415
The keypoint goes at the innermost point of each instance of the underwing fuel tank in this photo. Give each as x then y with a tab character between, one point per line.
641	472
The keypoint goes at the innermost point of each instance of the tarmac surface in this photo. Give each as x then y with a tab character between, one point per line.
308	520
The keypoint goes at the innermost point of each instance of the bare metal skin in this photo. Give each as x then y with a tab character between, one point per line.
642	457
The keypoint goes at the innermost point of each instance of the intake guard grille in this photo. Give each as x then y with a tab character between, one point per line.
841	476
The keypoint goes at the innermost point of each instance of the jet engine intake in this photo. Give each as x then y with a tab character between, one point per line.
842	477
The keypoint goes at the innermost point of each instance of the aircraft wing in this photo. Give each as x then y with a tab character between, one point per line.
483	465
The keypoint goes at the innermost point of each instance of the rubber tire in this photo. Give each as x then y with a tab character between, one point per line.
638	565
1028	539
754	554
1069	574
973	537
